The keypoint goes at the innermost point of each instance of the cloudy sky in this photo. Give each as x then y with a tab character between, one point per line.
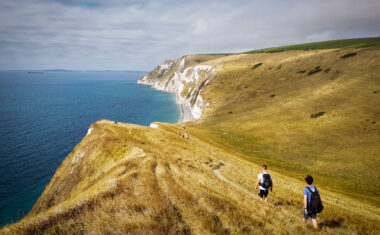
140	34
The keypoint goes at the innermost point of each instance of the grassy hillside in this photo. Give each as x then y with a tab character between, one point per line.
333	44
128	179
271	114
299	111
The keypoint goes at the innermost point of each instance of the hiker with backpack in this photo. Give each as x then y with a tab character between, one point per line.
264	183
312	202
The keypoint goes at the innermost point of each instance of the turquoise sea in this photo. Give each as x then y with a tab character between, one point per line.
44	115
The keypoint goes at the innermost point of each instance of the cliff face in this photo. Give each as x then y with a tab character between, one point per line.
186	78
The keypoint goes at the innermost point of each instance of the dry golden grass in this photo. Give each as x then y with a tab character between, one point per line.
164	184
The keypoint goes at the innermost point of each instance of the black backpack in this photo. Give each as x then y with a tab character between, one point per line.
315	205
267	181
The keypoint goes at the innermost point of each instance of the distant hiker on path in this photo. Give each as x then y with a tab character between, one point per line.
265	183
312	202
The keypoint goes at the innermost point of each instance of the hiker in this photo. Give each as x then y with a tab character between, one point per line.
265	183
312	203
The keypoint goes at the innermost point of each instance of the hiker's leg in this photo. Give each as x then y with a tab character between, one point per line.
314	221
304	216
266	195
260	195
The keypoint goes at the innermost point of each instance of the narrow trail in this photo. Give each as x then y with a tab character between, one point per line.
220	176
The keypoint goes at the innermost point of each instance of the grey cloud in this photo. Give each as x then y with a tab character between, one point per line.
141	34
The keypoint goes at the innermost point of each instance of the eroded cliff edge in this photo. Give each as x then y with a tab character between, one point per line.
186	77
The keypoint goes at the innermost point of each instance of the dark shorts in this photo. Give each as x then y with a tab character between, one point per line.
306	216
263	193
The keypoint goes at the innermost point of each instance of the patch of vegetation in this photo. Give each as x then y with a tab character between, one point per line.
327	70
319	114
279	67
348	55
198	61
315	70
272	96
301	71
255	66
345	43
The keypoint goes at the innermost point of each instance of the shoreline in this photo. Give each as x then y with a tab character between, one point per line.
186	115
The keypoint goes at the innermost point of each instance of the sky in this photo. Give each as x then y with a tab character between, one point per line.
141	34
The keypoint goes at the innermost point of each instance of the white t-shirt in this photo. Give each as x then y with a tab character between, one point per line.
261	178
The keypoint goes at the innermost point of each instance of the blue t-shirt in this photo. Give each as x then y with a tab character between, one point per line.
308	193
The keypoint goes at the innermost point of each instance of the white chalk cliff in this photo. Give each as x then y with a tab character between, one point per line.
186	82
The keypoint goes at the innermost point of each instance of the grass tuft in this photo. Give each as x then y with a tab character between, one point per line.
316	115
255	66
348	55
315	70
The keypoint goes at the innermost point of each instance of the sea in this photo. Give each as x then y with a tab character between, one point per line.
44	115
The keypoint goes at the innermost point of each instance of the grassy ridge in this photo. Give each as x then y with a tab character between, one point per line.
345	43
140	180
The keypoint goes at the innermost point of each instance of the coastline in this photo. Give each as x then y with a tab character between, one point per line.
186	115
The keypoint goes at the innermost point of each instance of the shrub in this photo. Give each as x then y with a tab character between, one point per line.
319	114
315	70
327	70
255	66
348	55
301	71
272	96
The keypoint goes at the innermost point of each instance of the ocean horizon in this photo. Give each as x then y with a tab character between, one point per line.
43	116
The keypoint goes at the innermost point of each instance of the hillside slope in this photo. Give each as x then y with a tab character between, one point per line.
128	179
301	112
314	111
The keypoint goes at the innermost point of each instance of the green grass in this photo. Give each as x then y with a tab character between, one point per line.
345	43
289	130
